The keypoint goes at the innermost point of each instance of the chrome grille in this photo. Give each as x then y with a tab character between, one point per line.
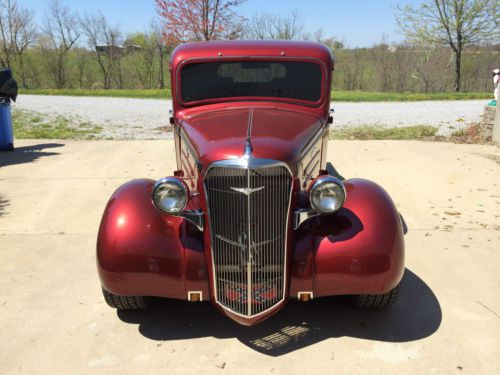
248	209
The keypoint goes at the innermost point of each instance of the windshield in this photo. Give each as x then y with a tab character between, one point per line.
279	79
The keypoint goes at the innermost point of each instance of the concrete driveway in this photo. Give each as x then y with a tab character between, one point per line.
54	320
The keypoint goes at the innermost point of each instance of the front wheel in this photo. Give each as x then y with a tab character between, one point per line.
124	302
376	301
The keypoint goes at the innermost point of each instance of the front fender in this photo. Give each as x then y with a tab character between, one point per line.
358	250
142	251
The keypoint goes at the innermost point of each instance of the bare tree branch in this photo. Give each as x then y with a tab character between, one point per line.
105	41
454	23
270	26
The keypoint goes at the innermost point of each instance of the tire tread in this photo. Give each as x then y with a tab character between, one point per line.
124	302
377	301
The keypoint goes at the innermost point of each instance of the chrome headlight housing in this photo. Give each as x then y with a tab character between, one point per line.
327	194
170	195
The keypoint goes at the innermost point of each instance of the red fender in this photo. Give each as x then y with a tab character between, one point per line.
142	251
358	250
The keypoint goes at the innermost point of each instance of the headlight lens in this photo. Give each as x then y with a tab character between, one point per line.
327	194
170	195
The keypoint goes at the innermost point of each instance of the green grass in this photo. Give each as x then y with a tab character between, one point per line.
348	96
375	132
362	96
140	94
33	125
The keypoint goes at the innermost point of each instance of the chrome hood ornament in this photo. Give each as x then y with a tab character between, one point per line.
247	191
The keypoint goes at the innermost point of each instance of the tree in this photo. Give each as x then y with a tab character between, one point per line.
270	26
17	33
331	42
143	57
164	49
62	29
191	20
82	61
453	23
105	41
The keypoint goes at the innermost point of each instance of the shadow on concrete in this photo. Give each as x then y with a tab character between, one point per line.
416	315
3	204
27	154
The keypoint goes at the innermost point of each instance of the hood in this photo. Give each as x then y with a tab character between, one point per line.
273	133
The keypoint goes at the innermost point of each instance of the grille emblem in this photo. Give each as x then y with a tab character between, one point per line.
247	191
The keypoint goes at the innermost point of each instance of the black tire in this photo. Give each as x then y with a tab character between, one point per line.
124	302
11	147
376	301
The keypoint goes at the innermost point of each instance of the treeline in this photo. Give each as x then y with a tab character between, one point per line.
380	68
403	68
68	50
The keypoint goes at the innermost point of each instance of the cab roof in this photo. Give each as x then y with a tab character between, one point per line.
251	48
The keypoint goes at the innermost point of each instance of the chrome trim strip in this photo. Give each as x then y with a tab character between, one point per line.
249	162
184	138
249	260
250	123
313	141
313	158
307	178
177	143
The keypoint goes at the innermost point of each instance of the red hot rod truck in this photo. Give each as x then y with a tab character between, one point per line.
253	215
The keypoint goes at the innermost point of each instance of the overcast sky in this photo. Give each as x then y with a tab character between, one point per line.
360	23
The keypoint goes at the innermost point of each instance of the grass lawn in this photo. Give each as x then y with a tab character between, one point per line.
33	125
421	132
347	96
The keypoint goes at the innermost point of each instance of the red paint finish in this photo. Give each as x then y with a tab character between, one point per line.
142	251
250	50
275	133
360	249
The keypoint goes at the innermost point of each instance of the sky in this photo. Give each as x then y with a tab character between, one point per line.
359	23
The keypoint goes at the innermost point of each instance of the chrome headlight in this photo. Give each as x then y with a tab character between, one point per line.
327	194
170	195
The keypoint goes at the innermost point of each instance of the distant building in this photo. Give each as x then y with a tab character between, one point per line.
117	50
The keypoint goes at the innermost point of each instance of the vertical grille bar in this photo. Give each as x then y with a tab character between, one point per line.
248	210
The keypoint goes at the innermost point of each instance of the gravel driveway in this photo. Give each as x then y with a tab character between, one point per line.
124	118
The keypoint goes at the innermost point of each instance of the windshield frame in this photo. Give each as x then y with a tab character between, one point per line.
178	74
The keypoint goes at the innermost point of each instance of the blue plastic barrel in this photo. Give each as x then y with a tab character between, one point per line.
6	133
